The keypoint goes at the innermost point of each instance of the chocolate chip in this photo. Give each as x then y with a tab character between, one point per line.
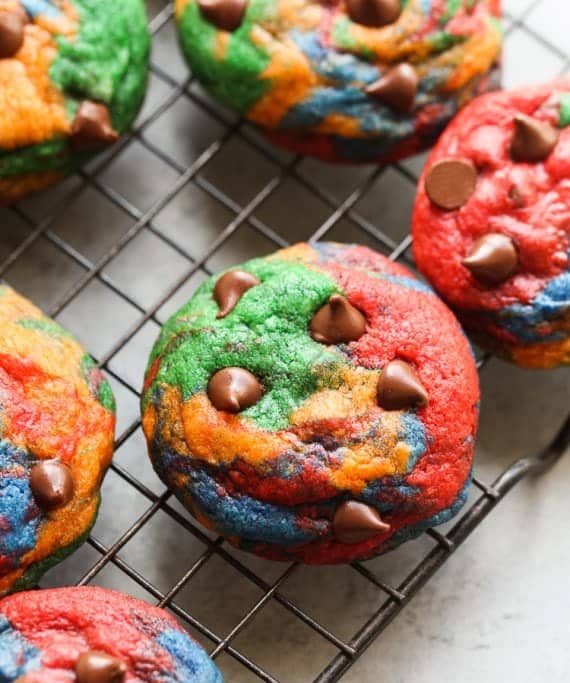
99	667
92	127
450	183
234	389
12	32
226	15
399	387
354	522
533	140
374	13
23	14
492	259
397	88
230	288
51	483
337	322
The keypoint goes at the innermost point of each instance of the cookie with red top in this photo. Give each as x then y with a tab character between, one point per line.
491	222
319	404
93	635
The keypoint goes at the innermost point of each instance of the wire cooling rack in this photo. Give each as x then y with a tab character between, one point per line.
182	186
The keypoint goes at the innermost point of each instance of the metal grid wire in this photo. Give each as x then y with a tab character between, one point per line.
391	596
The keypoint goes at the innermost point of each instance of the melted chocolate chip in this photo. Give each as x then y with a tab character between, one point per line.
226	15
92	127
99	667
337	322
374	13
354	522
397	88
533	140
230	288
12	32
234	389
399	387
51	483
450	183
492	259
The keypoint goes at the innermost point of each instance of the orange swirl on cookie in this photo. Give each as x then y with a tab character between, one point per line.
33	108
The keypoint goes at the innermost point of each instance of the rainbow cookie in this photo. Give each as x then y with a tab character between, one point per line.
93	635
72	79
344	80
56	441
492	222
319	405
